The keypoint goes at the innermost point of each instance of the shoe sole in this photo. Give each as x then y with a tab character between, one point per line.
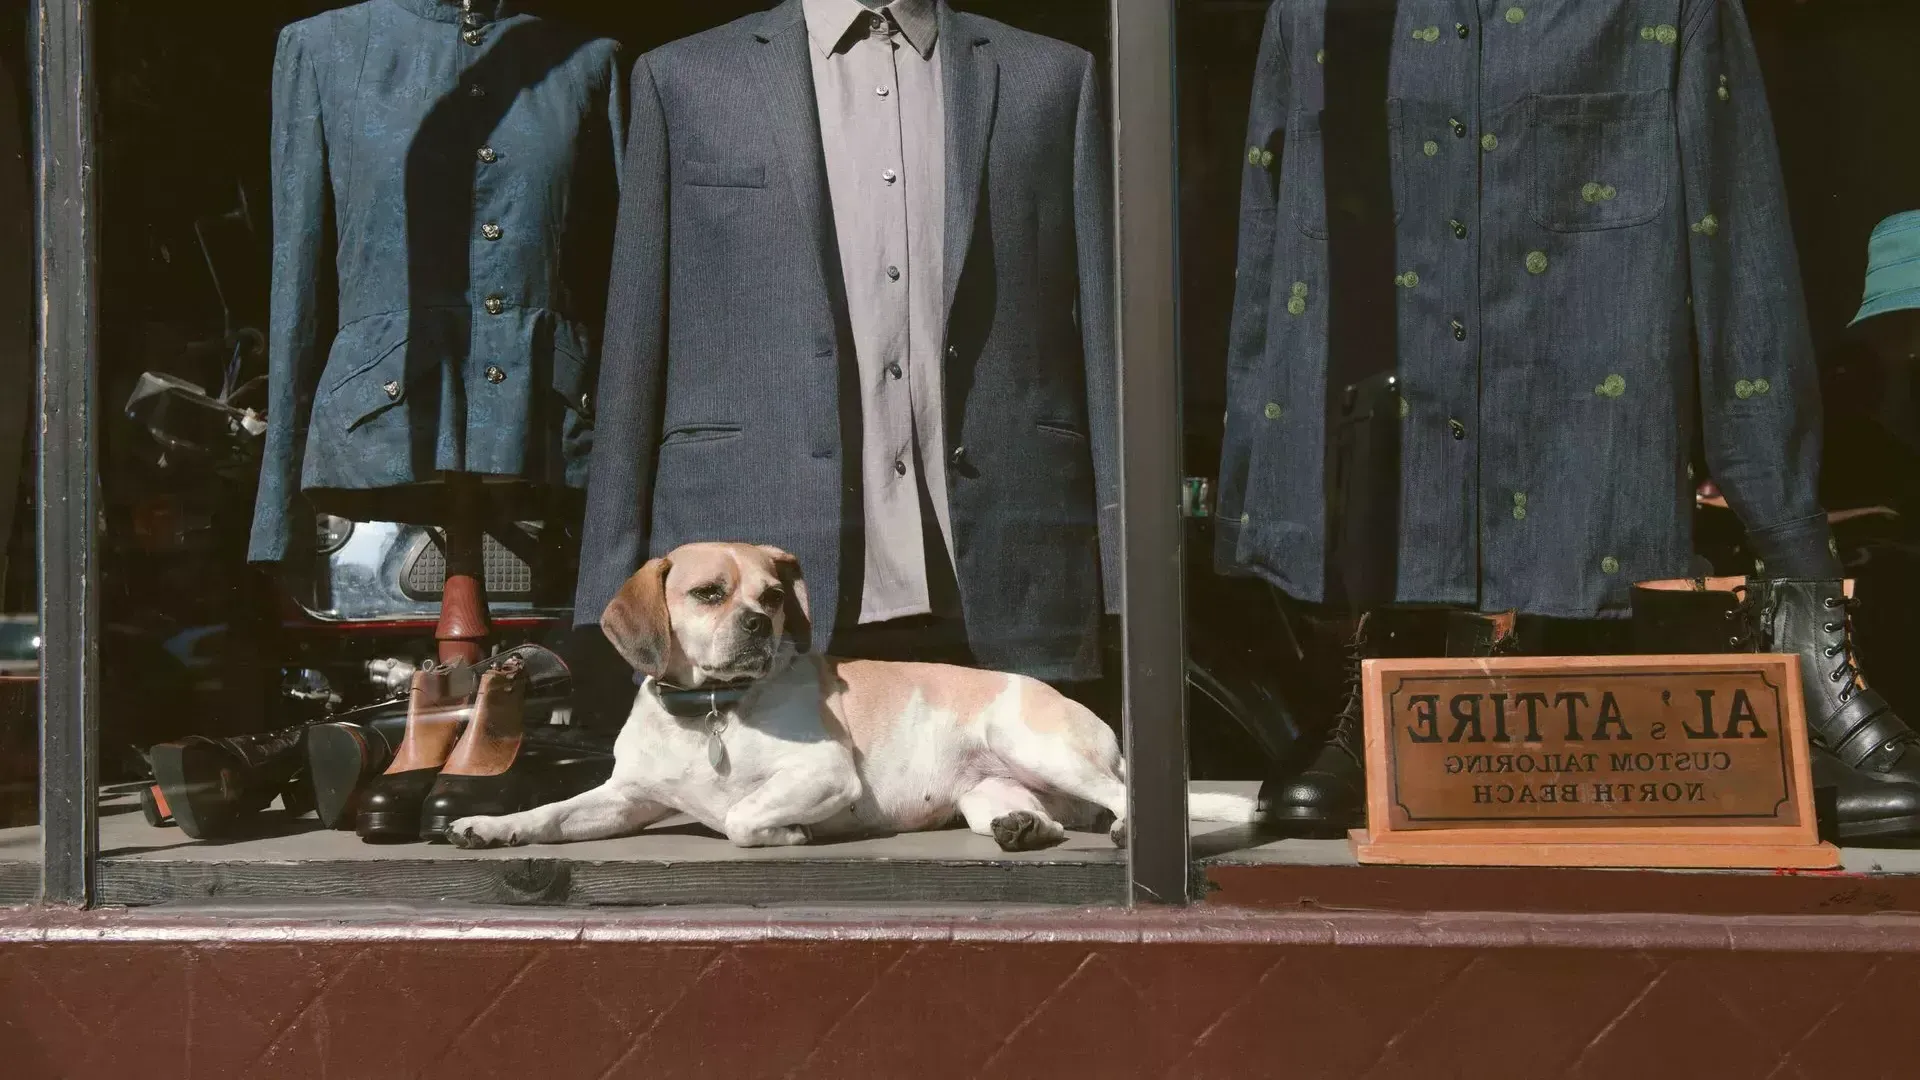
1878	829
1306	824
387	828
337	759
190	779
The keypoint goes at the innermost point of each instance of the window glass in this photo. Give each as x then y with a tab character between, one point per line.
19	610
487	378
1538	329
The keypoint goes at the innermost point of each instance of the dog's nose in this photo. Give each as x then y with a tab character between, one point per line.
755	623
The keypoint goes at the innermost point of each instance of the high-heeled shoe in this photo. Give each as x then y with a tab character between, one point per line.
479	776
390	808
210	786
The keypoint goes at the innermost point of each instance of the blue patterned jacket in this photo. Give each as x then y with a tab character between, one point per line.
443	204
1594	260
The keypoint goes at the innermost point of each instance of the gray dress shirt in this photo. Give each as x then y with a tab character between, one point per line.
876	76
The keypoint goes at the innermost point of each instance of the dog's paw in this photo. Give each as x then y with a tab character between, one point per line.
773	836
1024	830
480	832
1118	833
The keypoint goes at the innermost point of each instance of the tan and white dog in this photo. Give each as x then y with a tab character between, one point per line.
782	746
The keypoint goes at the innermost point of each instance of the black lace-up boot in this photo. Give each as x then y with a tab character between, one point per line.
1731	615
212	785
1812	619
1329	796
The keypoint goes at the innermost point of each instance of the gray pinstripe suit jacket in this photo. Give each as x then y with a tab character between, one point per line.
724	410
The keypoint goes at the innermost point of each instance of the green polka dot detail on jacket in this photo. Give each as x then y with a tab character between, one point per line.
1430	148
1594	192
1516	15
1536	262
1609	565
1272	410
1706	226
1611	387
1489	142
1427	34
1407	280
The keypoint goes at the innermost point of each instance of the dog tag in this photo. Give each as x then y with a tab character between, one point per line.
716	750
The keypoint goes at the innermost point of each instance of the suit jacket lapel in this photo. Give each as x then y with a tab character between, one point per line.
972	79
781	64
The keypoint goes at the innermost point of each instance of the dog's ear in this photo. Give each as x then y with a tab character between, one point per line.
637	623
798	626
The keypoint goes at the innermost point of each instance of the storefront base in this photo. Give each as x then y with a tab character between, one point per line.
383	993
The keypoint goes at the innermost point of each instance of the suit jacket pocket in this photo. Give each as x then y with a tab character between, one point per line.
1061	429
695	434
1600	161
373	386
1303	185
718	174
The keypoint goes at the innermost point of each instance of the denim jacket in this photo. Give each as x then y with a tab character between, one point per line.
444	195
1593	251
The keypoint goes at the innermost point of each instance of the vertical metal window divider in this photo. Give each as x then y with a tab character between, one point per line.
1147	244
66	272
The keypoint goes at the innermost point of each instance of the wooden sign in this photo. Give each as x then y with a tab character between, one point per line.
1656	761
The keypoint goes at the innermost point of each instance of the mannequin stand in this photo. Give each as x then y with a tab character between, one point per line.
463	629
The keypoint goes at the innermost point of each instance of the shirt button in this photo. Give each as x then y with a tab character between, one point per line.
471	37
490	230
495	375
1459	228
893	370
1459	129
899	467
1458	429
495	305
489	155
889	176
893	273
1460	30
882	91
1459	330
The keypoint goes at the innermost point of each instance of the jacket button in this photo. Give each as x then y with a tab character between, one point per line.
476	90
392	389
894	371
1459	129
491	231
489	155
495	305
1459	330
953	353
1460	30
959	457
899	467
495	375
586	403
1459	228
471	37
1458	429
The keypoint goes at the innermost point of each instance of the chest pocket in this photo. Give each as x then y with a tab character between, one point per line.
1303	187
1600	161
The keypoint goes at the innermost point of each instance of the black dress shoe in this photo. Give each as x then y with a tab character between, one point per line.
538	776
212	786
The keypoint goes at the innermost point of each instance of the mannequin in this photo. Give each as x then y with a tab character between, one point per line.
431	354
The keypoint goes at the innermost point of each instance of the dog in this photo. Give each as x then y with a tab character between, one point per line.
739	725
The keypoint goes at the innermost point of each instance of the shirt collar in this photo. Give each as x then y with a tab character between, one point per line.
828	22
449	10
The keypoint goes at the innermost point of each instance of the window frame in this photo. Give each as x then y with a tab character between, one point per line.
1159	869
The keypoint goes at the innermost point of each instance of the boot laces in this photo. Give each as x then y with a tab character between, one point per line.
1740	637
1346	735
1839	628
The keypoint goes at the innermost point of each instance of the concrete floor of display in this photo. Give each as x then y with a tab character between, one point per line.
125	836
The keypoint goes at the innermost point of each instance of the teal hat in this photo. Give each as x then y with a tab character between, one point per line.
1893	267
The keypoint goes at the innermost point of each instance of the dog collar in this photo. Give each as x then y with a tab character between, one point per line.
703	702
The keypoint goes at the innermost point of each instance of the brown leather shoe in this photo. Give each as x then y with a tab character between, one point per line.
390	809
479	776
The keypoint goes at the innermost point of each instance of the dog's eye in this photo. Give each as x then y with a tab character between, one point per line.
773	597
709	594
